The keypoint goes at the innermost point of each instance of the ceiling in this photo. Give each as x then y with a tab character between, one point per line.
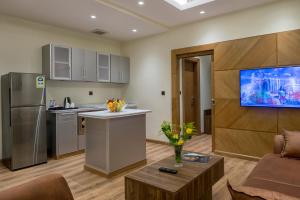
118	17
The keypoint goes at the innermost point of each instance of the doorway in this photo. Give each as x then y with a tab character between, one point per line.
195	92
176	62
190	91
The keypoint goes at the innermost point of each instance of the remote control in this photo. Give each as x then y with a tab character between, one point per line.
168	170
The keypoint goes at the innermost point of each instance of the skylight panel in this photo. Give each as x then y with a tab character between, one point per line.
186	4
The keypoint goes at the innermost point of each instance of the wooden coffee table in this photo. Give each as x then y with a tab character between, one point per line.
193	181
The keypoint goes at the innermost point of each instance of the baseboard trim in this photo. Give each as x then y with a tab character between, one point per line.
157	141
117	172
58	157
236	155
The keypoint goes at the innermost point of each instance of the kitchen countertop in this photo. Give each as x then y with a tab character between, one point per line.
88	108
108	115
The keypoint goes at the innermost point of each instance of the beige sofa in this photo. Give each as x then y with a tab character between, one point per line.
276	173
50	187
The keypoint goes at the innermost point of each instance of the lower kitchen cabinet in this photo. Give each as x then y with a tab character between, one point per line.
81	142
62	133
66	131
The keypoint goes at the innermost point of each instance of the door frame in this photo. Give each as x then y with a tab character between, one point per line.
176	55
197	96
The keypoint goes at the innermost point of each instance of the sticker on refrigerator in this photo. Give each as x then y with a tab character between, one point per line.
40	82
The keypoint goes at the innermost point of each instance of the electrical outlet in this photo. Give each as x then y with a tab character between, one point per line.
91	93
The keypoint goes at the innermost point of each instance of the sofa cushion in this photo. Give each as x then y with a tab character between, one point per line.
251	193
291	144
278	144
277	174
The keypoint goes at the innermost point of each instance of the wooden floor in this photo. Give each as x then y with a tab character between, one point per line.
85	185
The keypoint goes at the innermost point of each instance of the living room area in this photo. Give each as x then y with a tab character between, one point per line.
151	123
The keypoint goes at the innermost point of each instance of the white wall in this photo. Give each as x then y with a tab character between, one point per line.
151	57
205	86
20	51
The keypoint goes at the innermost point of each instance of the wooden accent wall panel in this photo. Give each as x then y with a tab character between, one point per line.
288	119
250	143
246	53
289	48
240	130
227	84
229	114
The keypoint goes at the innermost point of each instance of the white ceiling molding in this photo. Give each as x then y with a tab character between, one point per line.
119	17
131	13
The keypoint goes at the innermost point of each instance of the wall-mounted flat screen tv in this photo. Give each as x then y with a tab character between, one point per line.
270	87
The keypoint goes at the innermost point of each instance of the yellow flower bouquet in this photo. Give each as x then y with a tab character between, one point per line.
115	105
177	136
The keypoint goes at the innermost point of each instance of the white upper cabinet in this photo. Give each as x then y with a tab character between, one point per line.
103	67
75	64
90	65
61	63
57	62
120	69
84	67
125	69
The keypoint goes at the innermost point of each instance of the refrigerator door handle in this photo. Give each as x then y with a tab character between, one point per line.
9	97
67	113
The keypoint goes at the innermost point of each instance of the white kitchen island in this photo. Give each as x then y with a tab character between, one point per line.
115	141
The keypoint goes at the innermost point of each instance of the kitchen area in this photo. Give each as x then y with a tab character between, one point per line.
68	129
58	128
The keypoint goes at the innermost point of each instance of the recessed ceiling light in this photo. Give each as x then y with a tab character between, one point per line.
93	17
202	12
141	3
134	30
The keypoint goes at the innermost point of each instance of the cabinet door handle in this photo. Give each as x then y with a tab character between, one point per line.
83	72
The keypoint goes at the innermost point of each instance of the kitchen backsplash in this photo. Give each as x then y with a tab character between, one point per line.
79	92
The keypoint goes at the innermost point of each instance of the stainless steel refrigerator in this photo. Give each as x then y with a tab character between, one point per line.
24	136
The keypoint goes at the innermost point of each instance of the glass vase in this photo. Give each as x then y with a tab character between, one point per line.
178	158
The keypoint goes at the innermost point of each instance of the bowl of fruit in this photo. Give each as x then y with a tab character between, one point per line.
115	105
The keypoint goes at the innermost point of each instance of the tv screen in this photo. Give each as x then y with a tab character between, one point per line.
270	87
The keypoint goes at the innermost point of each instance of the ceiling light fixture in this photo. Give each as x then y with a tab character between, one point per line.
134	30
202	12
141	3
93	17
